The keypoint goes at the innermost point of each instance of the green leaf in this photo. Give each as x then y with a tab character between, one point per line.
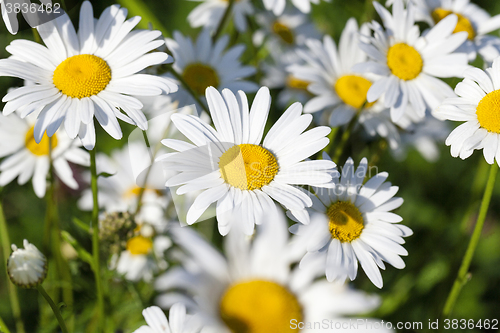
82	253
82	225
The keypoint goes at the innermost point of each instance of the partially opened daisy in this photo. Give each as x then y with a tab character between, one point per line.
178	322
472	19
409	65
352	223
238	170
26	159
278	6
477	105
203	64
251	287
85	74
210	13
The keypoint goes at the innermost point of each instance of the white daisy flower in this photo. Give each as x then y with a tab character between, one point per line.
143	256
120	191
276	76
472	19
26	159
284	32
408	63
239	172
278	6
26	267
203	64
210	12
353	223
34	16
90	73
252	287
477	105
180	322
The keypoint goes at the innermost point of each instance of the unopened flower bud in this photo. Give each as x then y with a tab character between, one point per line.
27	267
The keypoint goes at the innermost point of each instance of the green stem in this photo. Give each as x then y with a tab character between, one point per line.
3	327
14	300
189	89
463	272
345	137
331	137
95	241
143	187
223	21
54	308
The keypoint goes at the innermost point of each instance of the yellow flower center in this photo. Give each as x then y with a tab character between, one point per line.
463	23
404	61
352	90
139	245
248	167
488	112
199	77
82	76
42	148
284	32
259	307
295	83
345	221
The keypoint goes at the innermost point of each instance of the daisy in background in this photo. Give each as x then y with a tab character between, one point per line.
203	64
90	73
26	159
471	18
352	223
408	64
239	171
276	76
338	92
278	6
210	13
251	287
180	322
477	105
285	32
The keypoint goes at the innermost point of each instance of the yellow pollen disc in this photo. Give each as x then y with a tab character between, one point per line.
404	61
248	167
352	90
259	307
295	83
463	23
82	76
488	112
345	221
285	33
199	77
139	245
42	148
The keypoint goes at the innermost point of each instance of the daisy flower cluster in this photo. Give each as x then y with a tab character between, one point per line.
245	166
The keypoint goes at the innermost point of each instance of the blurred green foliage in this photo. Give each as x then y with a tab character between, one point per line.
438	198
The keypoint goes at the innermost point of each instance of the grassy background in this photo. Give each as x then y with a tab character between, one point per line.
438	198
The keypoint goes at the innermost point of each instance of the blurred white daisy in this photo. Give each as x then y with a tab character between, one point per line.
92	73
278	6
252	287
26	267
472	19
234	169
210	12
409	64
286	31
26	159
353	223
276	76
143	256
180	322
477	105
203	64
